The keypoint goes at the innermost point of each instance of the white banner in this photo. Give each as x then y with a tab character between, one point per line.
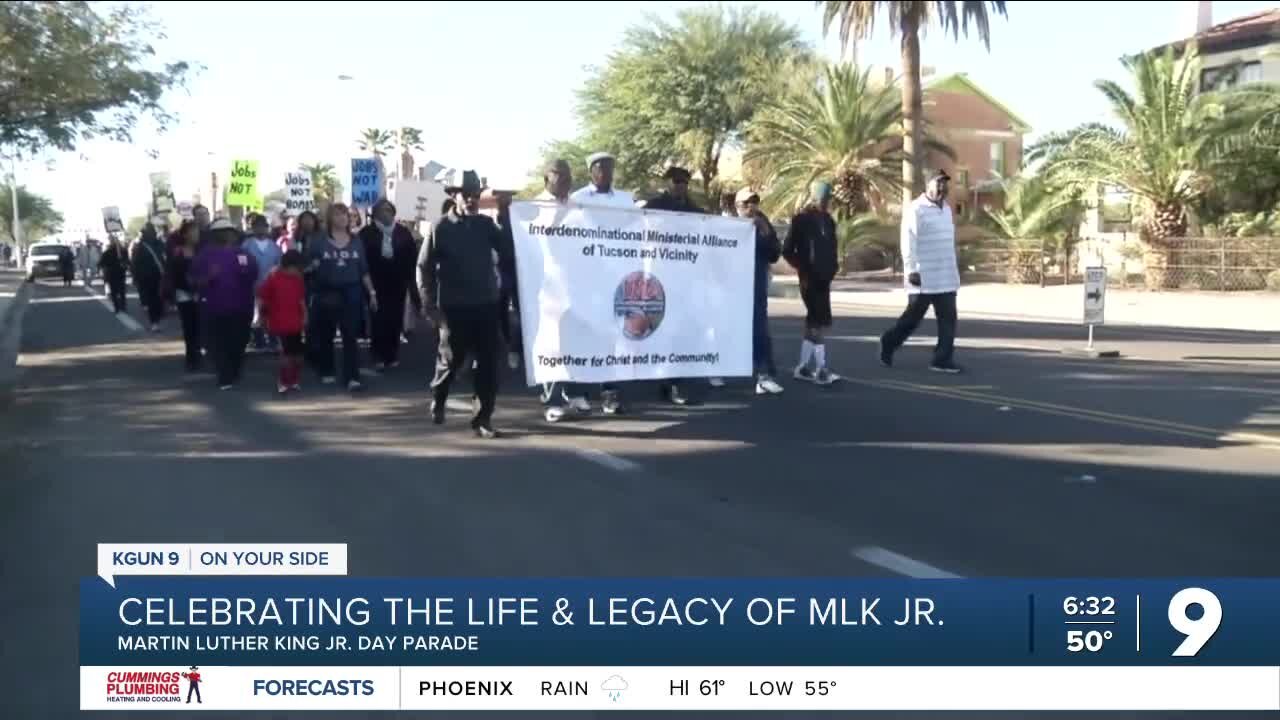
298	195
617	294
416	200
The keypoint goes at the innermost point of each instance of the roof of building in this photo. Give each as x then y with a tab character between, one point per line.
1254	29
961	83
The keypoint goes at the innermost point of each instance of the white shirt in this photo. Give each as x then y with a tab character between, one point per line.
589	195
929	248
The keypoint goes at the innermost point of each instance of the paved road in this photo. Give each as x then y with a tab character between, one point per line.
982	474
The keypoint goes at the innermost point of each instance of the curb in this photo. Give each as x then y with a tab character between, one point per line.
11	335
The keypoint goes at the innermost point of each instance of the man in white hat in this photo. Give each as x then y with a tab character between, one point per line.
601	193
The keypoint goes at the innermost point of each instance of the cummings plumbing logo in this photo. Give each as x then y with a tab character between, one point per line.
144	686
639	303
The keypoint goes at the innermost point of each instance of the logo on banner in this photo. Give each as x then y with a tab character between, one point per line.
144	686
639	303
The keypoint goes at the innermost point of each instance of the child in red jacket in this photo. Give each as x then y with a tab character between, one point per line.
283	302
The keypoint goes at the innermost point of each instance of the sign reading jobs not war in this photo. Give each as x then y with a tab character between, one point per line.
298	196
615	294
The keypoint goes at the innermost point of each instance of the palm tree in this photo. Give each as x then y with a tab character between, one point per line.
378	142
410	139
325	185
840	128
1037	218
1170	144
909	20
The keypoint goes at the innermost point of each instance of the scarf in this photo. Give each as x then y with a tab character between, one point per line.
388	250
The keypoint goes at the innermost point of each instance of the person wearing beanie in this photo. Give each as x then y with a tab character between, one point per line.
811	248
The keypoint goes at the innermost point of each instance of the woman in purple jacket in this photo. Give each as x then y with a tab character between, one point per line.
225	274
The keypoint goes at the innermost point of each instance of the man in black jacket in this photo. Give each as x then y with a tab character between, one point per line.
392	257
676	199
811	249
458	276
768	249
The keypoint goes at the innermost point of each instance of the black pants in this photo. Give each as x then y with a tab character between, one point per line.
509	303
944	309
190	314
118	292
388	323
342	311
149	296
470	330
230	335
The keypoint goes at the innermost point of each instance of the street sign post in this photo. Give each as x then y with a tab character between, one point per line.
1095	303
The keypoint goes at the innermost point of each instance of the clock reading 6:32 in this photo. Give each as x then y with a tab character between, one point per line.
1089	606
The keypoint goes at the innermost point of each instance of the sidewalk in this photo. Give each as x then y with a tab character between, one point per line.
1249	311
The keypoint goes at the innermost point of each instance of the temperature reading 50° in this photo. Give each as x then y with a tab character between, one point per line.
1091	640
1200	628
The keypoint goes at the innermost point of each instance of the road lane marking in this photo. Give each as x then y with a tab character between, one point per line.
604	459
901	564
125	318
1129	421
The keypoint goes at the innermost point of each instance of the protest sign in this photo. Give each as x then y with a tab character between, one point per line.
416	200
111	220
186	210
617	294
298	197
366	182
162	193
243	189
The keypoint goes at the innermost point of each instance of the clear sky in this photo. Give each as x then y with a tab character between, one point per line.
490	82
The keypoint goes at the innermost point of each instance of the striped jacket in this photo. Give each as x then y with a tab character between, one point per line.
929	248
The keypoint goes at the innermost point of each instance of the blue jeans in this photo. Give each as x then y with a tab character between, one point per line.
340	309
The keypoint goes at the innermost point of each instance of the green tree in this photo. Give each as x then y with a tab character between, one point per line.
325	185
1171	145
39	217
77	70
575	153
839	128
682	91
378	142
909	19
409	139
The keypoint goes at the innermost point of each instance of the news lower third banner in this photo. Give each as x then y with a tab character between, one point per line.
617	294
260	643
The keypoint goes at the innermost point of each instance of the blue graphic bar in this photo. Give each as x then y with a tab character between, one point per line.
344	621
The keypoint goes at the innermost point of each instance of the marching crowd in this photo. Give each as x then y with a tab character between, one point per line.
293	289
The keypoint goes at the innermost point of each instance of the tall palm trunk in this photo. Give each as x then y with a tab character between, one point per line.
912	110
1160	235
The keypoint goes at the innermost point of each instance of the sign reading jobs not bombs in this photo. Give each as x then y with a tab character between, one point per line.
298	195
620	294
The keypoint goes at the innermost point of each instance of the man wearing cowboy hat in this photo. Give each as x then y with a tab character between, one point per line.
457	274
931	273
601	193
676	199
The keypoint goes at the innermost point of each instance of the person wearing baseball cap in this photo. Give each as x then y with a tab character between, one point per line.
811	249
768	250
676	199
931	274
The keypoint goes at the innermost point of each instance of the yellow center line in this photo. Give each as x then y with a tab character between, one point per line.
1130	421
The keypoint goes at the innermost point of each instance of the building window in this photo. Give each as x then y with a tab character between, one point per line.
1229	76
997	159
963	177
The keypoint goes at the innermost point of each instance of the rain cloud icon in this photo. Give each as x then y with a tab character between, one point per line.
614	687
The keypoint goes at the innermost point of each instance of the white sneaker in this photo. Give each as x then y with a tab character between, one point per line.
611	404
328	380
224	387
766	385
803	372
554	414
282	389
355	385
579	405
513	360
716	382
823	377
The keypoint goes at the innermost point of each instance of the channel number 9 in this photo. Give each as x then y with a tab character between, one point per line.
1199	630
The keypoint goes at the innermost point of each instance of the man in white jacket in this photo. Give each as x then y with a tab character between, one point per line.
930	272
